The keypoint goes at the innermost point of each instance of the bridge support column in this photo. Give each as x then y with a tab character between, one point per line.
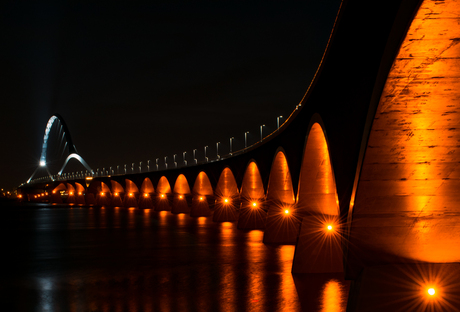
318	249
406	287
181	203
162	203
200	207
226	210
252	216
282	225
145	201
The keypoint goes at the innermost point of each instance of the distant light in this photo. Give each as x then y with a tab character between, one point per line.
254	204
46	193
54	192
286	211
180	196
329	227
162	195
42	163
19	196
102	193
201	198
89	178
116	194
79	193
71	193
130	194
431	291
146	195
226	200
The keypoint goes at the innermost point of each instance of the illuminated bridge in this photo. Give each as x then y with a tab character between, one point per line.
364	175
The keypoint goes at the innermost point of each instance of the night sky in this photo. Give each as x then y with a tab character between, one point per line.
136	82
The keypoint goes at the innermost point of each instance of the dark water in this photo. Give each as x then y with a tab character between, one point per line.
117	259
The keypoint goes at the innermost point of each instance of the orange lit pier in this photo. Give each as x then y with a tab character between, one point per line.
363	177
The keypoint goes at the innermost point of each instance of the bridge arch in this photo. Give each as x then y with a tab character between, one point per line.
146	195
282	222
227	197
252	214
318	248
164	194
73	154
182	195
405	203
131	194
203	196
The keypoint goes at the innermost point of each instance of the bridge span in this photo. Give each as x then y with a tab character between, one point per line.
363	177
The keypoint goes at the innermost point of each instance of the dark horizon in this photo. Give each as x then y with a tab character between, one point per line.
141	82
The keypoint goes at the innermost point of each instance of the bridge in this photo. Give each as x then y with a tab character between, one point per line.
363	176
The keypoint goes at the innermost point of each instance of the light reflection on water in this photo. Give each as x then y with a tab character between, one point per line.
118	259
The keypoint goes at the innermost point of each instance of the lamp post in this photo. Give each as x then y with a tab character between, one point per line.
278	122
194	156
205	148
217	149
231	145
246	139
261	136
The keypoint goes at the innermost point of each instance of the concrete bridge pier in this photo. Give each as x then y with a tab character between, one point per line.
318	248
252	215
406	287
226	209
200	206
181	203
282	225
145	201
162	202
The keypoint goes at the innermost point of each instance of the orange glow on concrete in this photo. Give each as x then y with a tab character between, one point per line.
131	187
116	187
163	186
202	185
226	186
406	205
147	186
181	186
252	196
280	197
